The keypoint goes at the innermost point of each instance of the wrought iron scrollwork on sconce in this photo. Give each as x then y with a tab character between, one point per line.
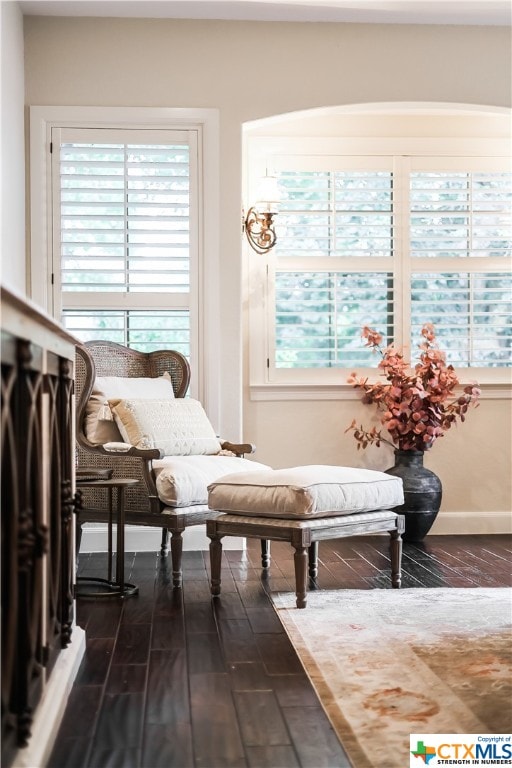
259	228
259	222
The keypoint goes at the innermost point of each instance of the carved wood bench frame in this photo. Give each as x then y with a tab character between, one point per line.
304	536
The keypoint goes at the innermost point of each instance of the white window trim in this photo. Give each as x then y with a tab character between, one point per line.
342	391
205	304
262	153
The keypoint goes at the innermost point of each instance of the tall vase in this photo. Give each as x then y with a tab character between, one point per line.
422	493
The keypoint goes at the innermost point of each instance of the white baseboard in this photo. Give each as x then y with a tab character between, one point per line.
50	710
147	539
451	523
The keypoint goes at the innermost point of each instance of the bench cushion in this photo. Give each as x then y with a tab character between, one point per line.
305	492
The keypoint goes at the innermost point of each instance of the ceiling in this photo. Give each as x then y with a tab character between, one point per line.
472	12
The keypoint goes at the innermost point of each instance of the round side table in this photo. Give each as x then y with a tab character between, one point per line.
108	587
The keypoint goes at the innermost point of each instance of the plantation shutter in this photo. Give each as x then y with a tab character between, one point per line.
461	234
390	243
123	243
335	213
460	214
336	228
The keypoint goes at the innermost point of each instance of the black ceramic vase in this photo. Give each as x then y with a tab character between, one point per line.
422	493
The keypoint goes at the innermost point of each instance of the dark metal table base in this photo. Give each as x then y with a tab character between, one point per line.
110	588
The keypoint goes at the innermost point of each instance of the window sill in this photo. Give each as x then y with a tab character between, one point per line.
270	392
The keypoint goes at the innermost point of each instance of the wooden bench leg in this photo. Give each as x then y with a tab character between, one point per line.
215	562
396	558
301	568
265	553
176	555
313	560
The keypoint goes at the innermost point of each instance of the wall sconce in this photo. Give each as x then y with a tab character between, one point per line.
259	222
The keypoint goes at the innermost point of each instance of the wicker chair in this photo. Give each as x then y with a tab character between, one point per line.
142	504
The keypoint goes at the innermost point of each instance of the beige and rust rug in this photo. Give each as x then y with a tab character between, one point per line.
388	663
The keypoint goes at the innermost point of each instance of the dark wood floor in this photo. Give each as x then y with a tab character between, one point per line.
171	679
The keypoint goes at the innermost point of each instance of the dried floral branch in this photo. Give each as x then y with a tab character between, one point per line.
419	405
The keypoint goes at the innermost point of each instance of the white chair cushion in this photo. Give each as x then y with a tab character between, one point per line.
305	492
183	481
100	430
178	427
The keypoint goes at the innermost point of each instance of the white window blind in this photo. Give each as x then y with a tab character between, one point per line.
380	247
125	246
145	330
336	213
472	314
463	216
319	316
460	215
344	218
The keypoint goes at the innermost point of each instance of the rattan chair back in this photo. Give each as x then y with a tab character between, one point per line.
106	358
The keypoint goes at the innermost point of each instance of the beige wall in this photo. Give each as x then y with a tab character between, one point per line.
250	71
473	460
12	262
254	69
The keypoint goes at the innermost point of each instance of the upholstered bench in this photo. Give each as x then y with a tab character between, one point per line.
304	505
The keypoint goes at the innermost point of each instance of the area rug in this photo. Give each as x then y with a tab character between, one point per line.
390	663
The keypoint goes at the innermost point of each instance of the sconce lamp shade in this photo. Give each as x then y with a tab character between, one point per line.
268	195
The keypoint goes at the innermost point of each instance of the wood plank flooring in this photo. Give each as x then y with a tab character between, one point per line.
172	679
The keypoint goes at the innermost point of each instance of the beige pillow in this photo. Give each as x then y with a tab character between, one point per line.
100	427
178	427
303	492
